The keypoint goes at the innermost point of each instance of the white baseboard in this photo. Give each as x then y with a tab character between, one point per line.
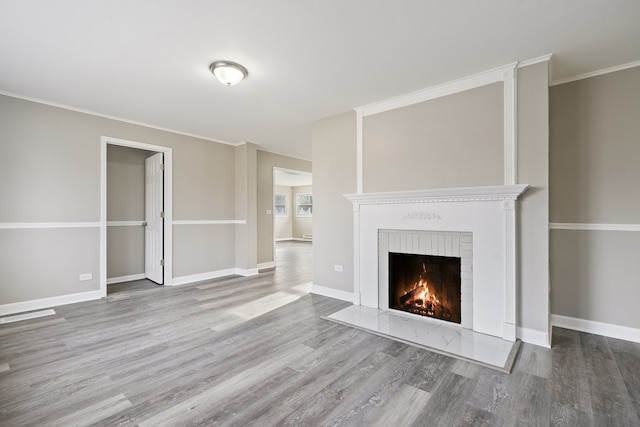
27	316
533	336
266	265
285	239
598	328
192	278
247	272
129	278
38	304
332	293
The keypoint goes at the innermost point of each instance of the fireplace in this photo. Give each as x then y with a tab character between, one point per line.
477	224
426	285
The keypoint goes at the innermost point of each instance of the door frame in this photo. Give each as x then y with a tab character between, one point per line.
168	205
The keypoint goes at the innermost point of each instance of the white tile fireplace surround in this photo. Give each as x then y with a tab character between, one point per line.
484	216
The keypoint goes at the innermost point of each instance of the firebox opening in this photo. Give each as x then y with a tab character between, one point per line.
427	285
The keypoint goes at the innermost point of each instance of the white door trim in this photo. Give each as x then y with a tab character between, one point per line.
168	200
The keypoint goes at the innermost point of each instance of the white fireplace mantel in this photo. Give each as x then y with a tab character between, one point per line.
489	212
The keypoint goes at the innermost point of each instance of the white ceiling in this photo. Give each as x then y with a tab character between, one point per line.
147	60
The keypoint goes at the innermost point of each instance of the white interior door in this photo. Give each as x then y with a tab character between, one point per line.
154	217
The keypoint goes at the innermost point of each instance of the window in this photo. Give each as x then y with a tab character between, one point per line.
280	204
304	204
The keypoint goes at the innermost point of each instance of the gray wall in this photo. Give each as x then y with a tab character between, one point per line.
452	141
594	173
266	162
301	225
334	174
50	173
283	225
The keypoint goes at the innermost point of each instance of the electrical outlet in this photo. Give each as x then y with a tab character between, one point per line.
338	268
86	276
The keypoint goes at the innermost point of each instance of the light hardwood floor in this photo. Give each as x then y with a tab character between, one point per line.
207	354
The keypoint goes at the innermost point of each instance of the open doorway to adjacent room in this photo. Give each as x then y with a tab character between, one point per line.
293	210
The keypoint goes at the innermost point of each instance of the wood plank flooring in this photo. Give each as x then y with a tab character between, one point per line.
207	354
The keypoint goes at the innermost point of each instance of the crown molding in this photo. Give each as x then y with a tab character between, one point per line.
533	61
470	82
596	73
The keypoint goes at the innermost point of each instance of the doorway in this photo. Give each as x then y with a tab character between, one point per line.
165	184
292	207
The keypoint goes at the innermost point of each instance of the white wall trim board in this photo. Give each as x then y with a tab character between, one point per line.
265	265
506	74
27	316
201	277
470	82
359	150
510	113
21	225
209	221
119	119
168	201
128	278
595	73
533	336
246	272
21	307
125	223
593	227
598	328
331	293
533	61
286	239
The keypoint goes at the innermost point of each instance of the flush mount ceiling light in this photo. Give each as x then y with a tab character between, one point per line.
229	73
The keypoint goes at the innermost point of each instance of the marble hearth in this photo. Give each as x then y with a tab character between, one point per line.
477	222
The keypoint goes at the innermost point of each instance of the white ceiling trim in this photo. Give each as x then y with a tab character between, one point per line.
119	119
596	73
533	61
470	82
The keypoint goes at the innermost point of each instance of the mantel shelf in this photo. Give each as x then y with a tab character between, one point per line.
459	194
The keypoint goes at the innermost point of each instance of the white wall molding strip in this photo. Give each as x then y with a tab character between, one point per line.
128	278
209	222
470	82
125	223
533	61
246	272
359	150
21	307
332	293
510	116
593	227
596	73
27	316
535	337
20	225
598	328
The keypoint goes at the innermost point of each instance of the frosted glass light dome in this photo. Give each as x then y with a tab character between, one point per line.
229	73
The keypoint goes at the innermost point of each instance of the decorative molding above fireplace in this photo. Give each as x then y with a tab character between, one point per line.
488	212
